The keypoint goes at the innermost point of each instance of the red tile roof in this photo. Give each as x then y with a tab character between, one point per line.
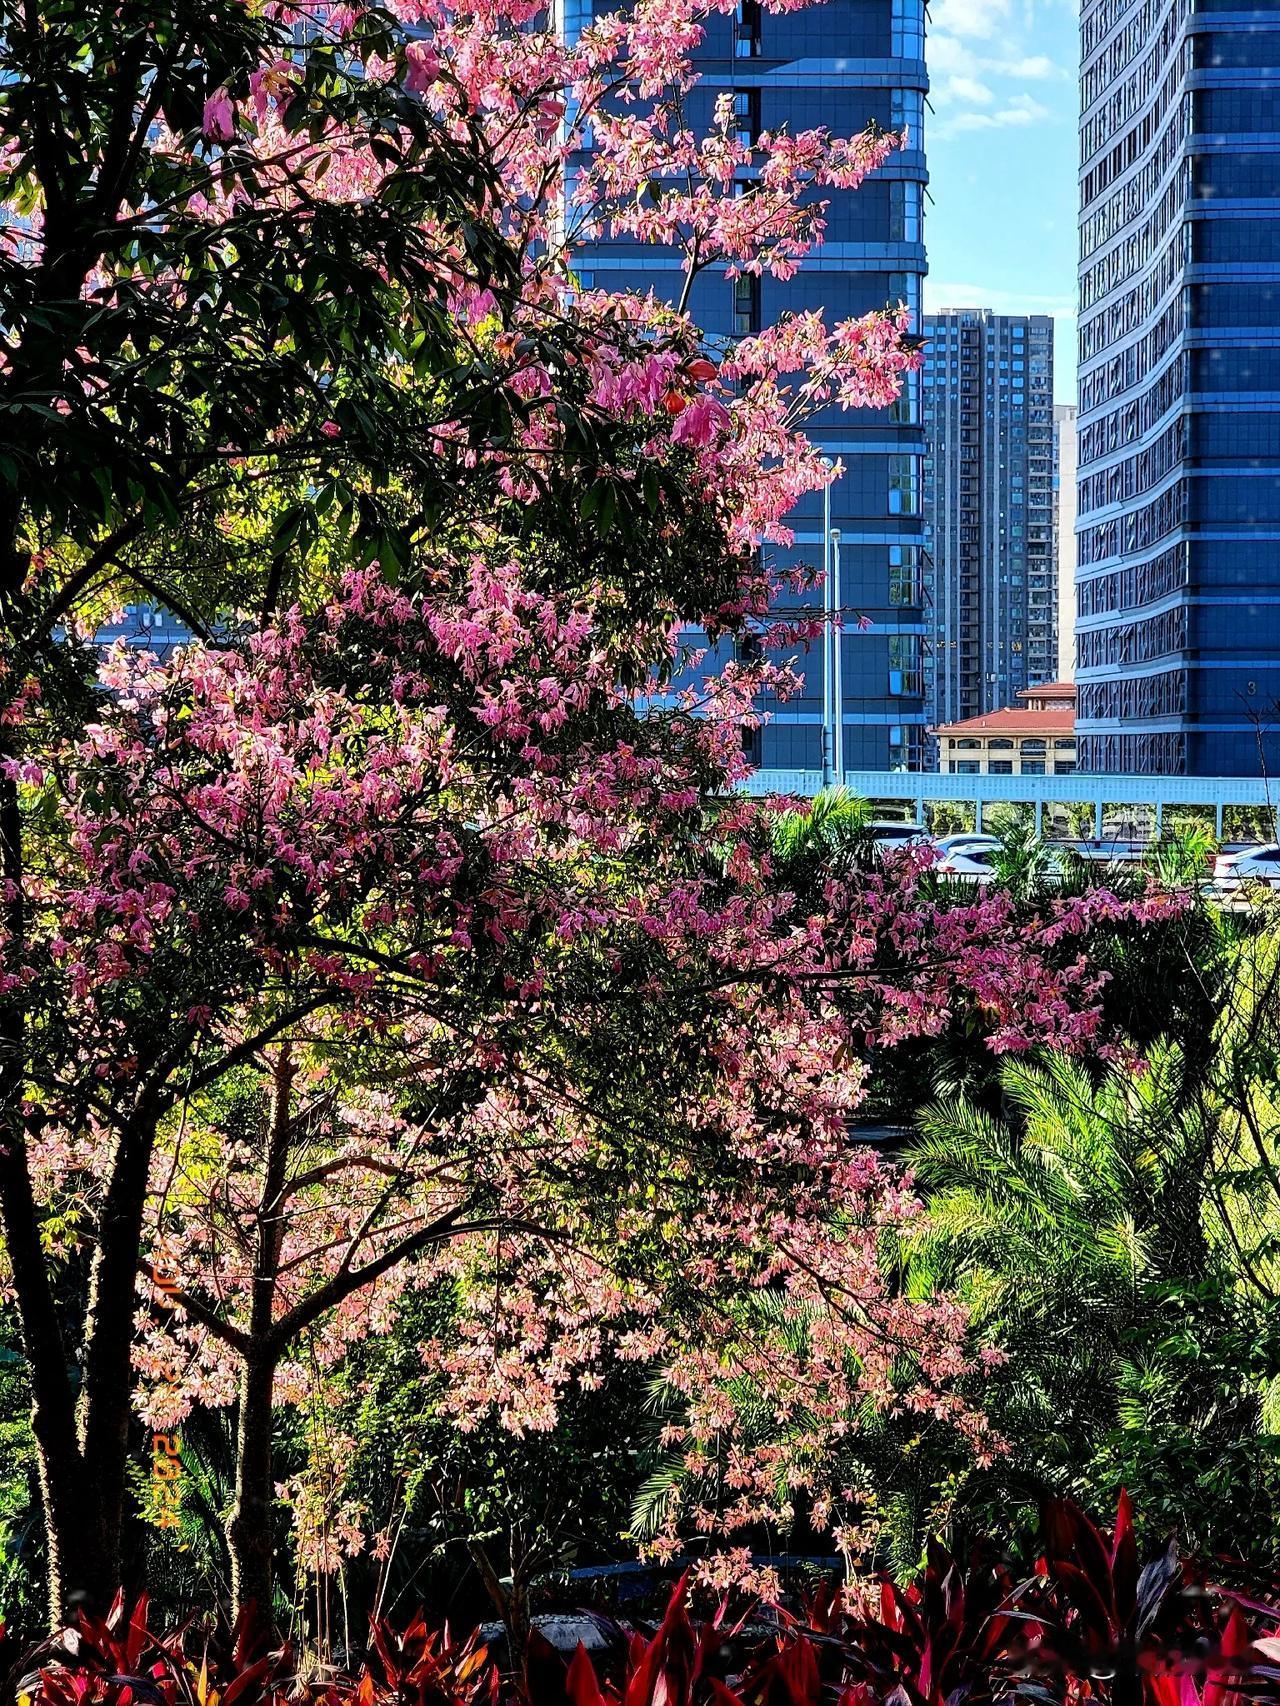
1020	722
1050	690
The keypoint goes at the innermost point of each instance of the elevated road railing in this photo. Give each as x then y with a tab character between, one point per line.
1159	794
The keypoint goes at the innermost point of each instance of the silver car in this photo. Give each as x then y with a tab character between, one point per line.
1231	871
972	842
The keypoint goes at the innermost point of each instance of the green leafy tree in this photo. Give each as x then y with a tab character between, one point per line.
829	837
502	1516
1075	1228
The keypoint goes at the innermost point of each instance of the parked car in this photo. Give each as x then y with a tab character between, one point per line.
888	837
1251	865
964	843
972	863
978	864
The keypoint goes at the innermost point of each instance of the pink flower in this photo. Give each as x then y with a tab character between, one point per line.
702	422
273	83
330	429
550	112
421	67
219	124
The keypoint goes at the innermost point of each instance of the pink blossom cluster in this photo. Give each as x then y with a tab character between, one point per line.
589	140
402	824
454	837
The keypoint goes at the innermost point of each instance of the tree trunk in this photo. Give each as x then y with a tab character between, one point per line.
76	1568
105	1408
499	1596
249	1533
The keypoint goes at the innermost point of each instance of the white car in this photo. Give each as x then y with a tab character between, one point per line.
1252	865
977	864
974	864
889	837
965	843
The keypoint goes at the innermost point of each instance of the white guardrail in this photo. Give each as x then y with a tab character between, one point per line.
1104	793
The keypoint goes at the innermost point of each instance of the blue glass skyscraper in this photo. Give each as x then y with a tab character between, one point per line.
988	503
843	64
1178	579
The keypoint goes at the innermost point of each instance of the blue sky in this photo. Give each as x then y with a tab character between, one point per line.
1001	225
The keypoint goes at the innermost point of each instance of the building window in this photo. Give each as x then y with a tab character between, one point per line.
965	767
908	29
904	747
906	112
904	664
905	408
746	117
746	34
904	211
904	576
904	485
1033	767
746	304
1000	767
575	16
904	287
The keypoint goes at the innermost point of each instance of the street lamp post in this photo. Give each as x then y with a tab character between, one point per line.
829	713
837	657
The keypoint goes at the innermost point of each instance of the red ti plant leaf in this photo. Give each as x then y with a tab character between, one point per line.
668	1665
789	1677
582	1686
1230	1663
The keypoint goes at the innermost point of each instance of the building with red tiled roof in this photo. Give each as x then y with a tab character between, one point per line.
1037	738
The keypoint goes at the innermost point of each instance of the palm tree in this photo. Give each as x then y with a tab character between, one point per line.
832	836
1054	1223
1078	1228
1240	1093
1024	863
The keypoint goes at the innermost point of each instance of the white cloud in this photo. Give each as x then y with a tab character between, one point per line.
967	78
948	54
1035	68
1015	114
981	18
966	89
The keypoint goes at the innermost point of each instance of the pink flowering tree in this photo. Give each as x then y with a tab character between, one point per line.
269	313
523	1012
414	849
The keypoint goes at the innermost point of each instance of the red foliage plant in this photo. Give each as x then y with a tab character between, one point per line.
1087	1625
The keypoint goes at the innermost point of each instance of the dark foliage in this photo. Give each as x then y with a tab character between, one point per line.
1089	1624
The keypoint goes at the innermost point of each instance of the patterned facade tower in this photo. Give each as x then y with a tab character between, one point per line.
990	577
842	64
1178	580
1064	534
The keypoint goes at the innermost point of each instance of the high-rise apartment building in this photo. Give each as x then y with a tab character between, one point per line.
1178	580
1064	533
843	64
988	495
